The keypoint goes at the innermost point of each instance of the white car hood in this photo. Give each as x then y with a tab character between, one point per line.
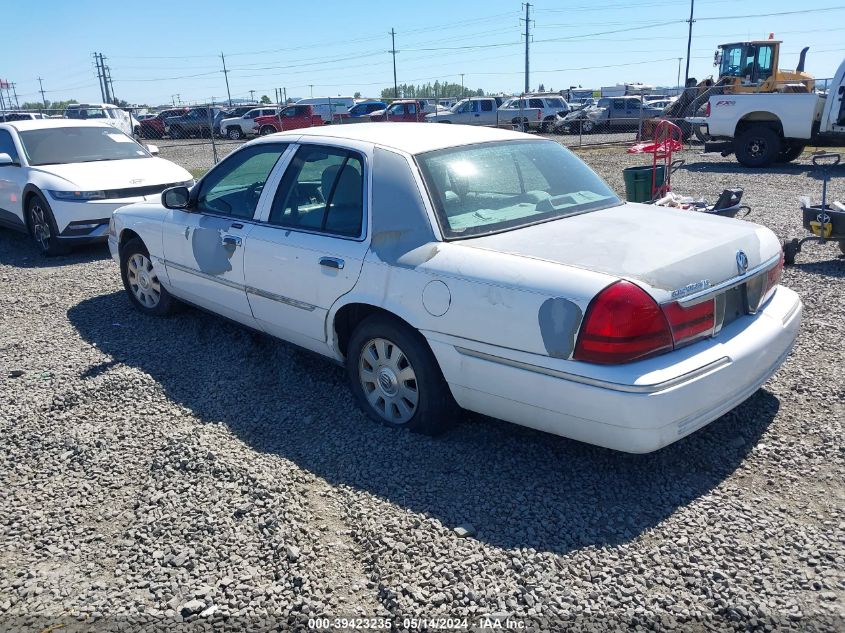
664	249
116	174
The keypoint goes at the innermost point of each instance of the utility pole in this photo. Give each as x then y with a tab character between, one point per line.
226	75
311	86
15	92
527	40
286	96
462	86
393	52
41	86
251	96
109	85
689	38
100	77
679	71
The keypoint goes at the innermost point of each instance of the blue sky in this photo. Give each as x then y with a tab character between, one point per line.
158	49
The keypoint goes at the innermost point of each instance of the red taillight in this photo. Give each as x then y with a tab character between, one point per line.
622	323
689	324
707	109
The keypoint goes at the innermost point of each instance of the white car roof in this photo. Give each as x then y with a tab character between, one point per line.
413	138
40	124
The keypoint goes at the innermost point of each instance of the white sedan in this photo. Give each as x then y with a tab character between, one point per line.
477	268
60	179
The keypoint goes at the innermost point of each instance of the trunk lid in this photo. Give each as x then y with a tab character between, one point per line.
664	250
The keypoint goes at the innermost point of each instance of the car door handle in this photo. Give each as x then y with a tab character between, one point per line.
232	240
332	262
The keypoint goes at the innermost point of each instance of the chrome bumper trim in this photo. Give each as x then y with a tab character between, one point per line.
595	382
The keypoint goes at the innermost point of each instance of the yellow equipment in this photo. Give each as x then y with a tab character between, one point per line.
754	67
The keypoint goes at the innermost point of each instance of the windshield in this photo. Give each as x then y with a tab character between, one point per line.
86	113
492	187
51	146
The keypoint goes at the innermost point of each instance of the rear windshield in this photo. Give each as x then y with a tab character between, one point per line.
53	146
493	187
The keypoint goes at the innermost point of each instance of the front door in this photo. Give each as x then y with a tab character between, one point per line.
203	247
310	249
12	181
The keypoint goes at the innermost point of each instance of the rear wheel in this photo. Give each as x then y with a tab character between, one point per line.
790	152
234	133
141	282
758	146
42	226
266	129
547	126
587	126
396	379
177	132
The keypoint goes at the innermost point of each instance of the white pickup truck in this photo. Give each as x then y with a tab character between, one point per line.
761	129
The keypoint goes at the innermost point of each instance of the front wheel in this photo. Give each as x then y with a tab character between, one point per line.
587	126
42	226
396	379
141	282
234	133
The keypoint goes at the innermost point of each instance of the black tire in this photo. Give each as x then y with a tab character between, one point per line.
790	250
266	129
135	285
587	126
842	246
177	132
435	409
790	152
758	146
547	125
42	226
234	133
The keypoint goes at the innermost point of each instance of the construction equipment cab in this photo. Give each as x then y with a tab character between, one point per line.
754	67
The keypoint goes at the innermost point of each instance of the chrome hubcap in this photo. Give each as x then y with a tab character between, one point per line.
40	226
143	281
388	380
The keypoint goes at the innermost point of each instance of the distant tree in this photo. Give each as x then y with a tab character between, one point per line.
542	88
357	95
265	99
437	89
51	105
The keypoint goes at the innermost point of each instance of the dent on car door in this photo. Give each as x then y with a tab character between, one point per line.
204	247
309	249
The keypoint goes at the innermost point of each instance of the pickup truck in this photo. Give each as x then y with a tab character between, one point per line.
402	111
765	128
195	122
472	111
292	117
236	127
533	112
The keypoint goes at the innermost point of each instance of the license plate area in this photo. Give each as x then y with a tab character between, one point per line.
731	305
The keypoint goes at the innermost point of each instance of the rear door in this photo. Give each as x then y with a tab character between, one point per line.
310	246
203	248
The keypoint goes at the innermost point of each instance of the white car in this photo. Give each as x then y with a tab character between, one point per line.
61	179
458	266
105	112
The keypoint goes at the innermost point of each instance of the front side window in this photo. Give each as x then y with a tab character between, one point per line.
7	145
493	187
234	187
412	108
486	106
59	145
765	55
732	61
322	190
395	109
535	103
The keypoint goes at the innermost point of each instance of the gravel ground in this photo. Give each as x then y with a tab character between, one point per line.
186	470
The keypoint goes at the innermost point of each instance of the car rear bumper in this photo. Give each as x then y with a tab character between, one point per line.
637	407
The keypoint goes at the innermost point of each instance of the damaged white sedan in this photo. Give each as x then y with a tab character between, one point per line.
452	267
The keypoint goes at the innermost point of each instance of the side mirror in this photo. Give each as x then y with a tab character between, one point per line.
6	161
153	149
176	198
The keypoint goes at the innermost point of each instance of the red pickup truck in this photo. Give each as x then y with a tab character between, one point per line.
292	117
404	110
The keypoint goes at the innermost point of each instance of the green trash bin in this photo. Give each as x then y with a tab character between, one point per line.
638	182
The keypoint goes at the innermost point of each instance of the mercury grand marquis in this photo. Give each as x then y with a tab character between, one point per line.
453	267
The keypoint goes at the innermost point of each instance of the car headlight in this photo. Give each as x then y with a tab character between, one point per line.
78	196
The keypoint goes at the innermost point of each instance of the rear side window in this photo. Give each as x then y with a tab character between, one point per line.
486	106
535	103
322	190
